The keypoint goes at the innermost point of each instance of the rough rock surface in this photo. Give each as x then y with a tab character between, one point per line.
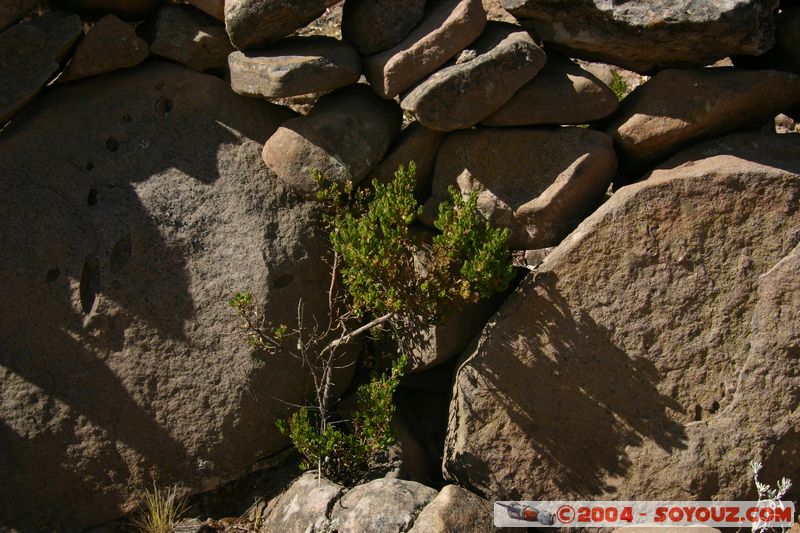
457	97
122	243
255	23
12	11
127	9
295	66
30	53
679	107
344	137
643	356
375	25
381	506
189	36
455	510
110	45
215	8
304	506
418	144
539	183
561	93
447	29
642	35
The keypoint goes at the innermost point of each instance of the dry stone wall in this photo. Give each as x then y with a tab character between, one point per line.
151	164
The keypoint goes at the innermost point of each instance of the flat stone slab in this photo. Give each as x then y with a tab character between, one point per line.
561	93
664	328
189	36
295	66
110	45
642	35
256	23
676	108
344	137
375	25
448	28
494	67
538	183
30	54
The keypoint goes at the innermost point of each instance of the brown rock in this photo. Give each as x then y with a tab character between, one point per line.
344	137
381	506
255	23
295	66
375	25
127	9
562	93
455	510
304	506
110	45
641	35
538	183
633	364
679	107
446	29
215	8
418	144
12	11
189	36
29	56
461	95
134	204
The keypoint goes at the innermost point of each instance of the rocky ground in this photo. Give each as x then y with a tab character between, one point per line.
155	158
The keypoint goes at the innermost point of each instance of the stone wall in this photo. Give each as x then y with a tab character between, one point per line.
155	158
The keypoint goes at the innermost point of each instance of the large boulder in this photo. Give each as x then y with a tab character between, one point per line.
561	93
643	357
344	137
642	35
538	183
30	53
255	23
457	97
133	206
381	506
676	108
304	507
189	36
110	45
448	27
295	66
375	25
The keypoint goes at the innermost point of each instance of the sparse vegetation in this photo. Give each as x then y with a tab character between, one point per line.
161	510
618	85
382	276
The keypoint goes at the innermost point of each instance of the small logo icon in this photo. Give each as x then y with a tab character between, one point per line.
566	514
528	513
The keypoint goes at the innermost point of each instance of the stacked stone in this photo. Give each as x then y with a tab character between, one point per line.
662	304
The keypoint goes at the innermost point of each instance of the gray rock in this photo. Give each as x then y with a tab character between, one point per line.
30	54
133	206
642	35
304	507
643	356
344	137
189	36
255	23
461	95
561	93
375	25
418	144
110	45
455	510
381	506
12	11
539	183
295	66
678	107
127	9
447	29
